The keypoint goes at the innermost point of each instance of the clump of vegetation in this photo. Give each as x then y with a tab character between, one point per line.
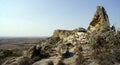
25	61
106	47
60	63
54	40
4	54
8	53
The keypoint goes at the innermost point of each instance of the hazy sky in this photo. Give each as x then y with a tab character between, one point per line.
42	17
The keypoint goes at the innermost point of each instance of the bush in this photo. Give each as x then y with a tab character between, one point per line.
8	53
106	47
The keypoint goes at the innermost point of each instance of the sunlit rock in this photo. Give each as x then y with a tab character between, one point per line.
100	21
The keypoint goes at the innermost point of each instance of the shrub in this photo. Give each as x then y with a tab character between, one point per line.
8	53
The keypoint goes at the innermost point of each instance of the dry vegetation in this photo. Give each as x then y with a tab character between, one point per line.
14	47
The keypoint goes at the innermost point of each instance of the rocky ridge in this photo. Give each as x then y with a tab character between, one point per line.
97	45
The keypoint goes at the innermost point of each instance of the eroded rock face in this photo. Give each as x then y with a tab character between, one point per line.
62	33
100	21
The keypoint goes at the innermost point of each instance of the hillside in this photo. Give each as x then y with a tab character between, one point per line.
97	45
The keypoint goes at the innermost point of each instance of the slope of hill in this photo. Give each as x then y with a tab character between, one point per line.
97	45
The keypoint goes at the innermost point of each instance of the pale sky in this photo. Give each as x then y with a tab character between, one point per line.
42	17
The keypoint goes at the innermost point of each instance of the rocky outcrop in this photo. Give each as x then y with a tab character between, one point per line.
100	21
62	33
18	61
78	46
33	53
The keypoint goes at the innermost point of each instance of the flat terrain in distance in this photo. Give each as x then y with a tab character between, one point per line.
18	42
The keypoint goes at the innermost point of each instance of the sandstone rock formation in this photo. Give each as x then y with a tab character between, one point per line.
62	33
100	21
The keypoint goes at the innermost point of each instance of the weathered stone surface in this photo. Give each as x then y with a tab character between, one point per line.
33	53
65	33
62	33
100	21
50	61
18	61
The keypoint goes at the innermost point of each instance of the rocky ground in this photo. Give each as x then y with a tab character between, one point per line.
97	45
14	46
